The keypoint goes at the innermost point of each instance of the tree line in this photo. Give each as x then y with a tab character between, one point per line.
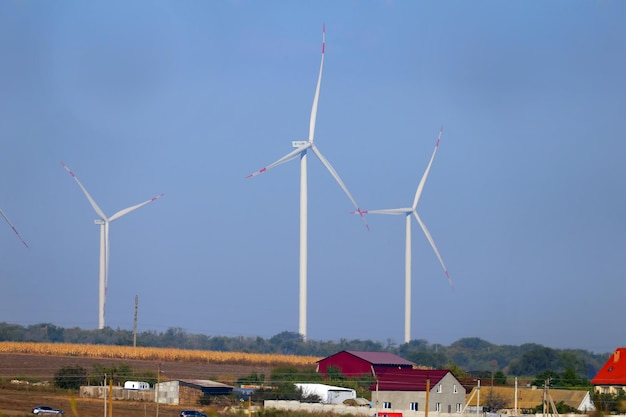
472	356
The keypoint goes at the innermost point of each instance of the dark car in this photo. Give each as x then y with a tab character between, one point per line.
192	413
44	409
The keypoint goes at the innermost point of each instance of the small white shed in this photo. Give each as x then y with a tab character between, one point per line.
328	393
136	385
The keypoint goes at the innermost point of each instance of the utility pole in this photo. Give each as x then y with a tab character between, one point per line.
111	396
135	326
427	396
157	388
516	413
545	387
478	398
104	394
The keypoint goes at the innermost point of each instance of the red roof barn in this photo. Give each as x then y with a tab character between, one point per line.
354	364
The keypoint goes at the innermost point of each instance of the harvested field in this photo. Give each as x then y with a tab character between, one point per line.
19	400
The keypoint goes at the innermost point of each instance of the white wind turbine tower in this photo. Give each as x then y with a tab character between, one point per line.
104	221
13	227
407	212
301	148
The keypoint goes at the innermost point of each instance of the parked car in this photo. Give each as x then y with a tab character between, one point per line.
44	409
192	413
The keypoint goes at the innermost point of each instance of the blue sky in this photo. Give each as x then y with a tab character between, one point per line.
524	200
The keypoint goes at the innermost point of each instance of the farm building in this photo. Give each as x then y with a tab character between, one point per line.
355	364
397	383
529	398
188	391
328	394
405	389
611	378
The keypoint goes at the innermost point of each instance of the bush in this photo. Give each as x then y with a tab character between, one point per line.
70	377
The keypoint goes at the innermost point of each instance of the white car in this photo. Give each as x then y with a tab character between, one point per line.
44	409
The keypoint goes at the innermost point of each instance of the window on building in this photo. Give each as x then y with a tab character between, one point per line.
439	389
386	404
458	407
438	407
414	406
454	390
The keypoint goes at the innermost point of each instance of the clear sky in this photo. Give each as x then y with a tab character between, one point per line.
525	198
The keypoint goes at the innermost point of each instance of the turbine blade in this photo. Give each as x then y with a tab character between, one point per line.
91	200
396	211
432	244
337	178
317	90
420	187
291	155
133	208
13	227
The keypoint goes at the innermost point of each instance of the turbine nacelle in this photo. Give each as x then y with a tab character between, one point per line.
299	143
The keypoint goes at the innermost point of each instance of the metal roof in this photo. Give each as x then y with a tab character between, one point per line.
614	370
403	379
205	383
381	358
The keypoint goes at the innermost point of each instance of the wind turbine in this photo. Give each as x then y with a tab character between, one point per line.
104	221
13	227
407	212
301	148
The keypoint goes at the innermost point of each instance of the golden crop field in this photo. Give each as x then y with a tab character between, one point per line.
154	354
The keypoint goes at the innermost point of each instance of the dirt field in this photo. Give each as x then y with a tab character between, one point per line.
19	400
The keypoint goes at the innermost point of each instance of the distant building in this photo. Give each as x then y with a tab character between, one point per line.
353	364
328	394
404	389
397	383
611	378
188	391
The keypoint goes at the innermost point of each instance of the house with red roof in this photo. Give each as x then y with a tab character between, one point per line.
611	378
398	384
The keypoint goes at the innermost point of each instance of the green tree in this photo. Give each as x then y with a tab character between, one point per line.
569	378
70	377
552	378
334	373
294	374
456	370
252	379
499	378
609	403
535	361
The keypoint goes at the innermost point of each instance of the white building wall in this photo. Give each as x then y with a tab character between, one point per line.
166	392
